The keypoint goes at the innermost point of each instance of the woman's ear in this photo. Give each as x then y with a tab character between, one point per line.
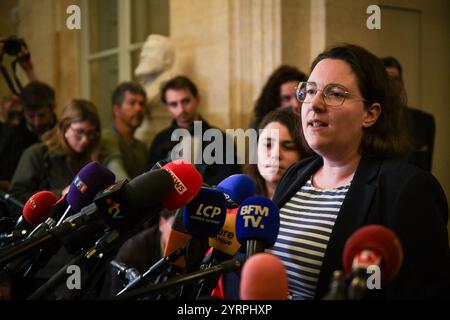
371	115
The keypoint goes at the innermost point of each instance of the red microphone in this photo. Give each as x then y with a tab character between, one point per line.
263	277
37	208
187	182
372	245
35	211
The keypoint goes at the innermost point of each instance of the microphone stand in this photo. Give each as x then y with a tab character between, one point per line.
225	266
157	268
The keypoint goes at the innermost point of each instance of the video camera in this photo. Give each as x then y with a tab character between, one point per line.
13	45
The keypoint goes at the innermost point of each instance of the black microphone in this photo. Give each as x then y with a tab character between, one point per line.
112	204
123	206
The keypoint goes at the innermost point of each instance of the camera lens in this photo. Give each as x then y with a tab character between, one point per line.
12	46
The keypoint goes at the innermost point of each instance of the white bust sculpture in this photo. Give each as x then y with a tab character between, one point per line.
156	60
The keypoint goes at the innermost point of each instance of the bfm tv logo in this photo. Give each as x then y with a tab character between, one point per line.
254	214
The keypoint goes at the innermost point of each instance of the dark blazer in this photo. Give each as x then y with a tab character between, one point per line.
422	128
401	197
212	174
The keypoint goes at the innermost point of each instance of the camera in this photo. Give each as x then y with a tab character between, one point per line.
13	45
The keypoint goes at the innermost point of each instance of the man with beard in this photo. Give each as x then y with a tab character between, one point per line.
121	152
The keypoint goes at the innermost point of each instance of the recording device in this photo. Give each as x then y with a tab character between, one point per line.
257	224
124	207
224	246
372	245
13	45
35	212
263	277
236	188
201	218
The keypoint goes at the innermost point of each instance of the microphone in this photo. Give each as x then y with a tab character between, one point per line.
204	216
181	172
236	189
37	208
123	207
224	246
35	212
257	224
372	245
263	277
180	234
111	206
90	180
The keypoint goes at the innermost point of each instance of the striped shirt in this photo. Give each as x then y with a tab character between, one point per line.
306	223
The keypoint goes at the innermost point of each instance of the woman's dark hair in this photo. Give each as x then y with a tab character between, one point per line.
388	136
292	122
269	99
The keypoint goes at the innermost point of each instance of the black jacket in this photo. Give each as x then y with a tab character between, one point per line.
212	174
401	197
422	128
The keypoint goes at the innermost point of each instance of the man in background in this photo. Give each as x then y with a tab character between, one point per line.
121	152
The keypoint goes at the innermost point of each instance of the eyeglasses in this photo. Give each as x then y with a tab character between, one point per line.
80	133
333	94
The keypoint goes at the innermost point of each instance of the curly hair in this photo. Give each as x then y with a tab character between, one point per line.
269	99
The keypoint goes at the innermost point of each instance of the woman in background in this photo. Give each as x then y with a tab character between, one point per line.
53	164
276	153
278	92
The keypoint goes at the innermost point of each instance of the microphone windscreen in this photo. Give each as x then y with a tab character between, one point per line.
263	277
205	215
237	188
38	207
149	188
226	240
380	240
187	182
258	219
91	179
